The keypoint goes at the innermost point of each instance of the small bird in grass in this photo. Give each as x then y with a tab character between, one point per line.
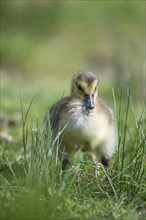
84	121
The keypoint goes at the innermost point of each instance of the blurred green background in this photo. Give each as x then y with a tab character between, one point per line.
43	43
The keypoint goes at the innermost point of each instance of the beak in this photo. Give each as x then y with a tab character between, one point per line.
89	102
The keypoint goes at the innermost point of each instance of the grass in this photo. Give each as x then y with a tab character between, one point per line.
34	187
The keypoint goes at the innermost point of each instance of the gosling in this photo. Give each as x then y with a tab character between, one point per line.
84	121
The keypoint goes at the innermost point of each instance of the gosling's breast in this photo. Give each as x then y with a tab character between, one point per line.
82	126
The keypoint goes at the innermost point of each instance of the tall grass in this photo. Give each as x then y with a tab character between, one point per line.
43	191
130	157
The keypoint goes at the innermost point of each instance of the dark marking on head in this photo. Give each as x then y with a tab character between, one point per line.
87	76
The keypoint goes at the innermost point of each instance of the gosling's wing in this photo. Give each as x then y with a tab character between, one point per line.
105	109
54	115
57	111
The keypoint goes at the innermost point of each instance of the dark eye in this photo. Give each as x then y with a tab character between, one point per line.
79	88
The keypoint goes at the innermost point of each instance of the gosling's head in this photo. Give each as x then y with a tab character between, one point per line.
85	87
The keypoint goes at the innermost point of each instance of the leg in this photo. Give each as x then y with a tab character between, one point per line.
96	165
105	161
62	156
65	163
106	152
96	168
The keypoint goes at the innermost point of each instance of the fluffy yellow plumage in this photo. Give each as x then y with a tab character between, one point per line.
86	122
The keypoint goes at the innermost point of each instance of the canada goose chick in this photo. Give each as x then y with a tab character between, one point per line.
84	120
